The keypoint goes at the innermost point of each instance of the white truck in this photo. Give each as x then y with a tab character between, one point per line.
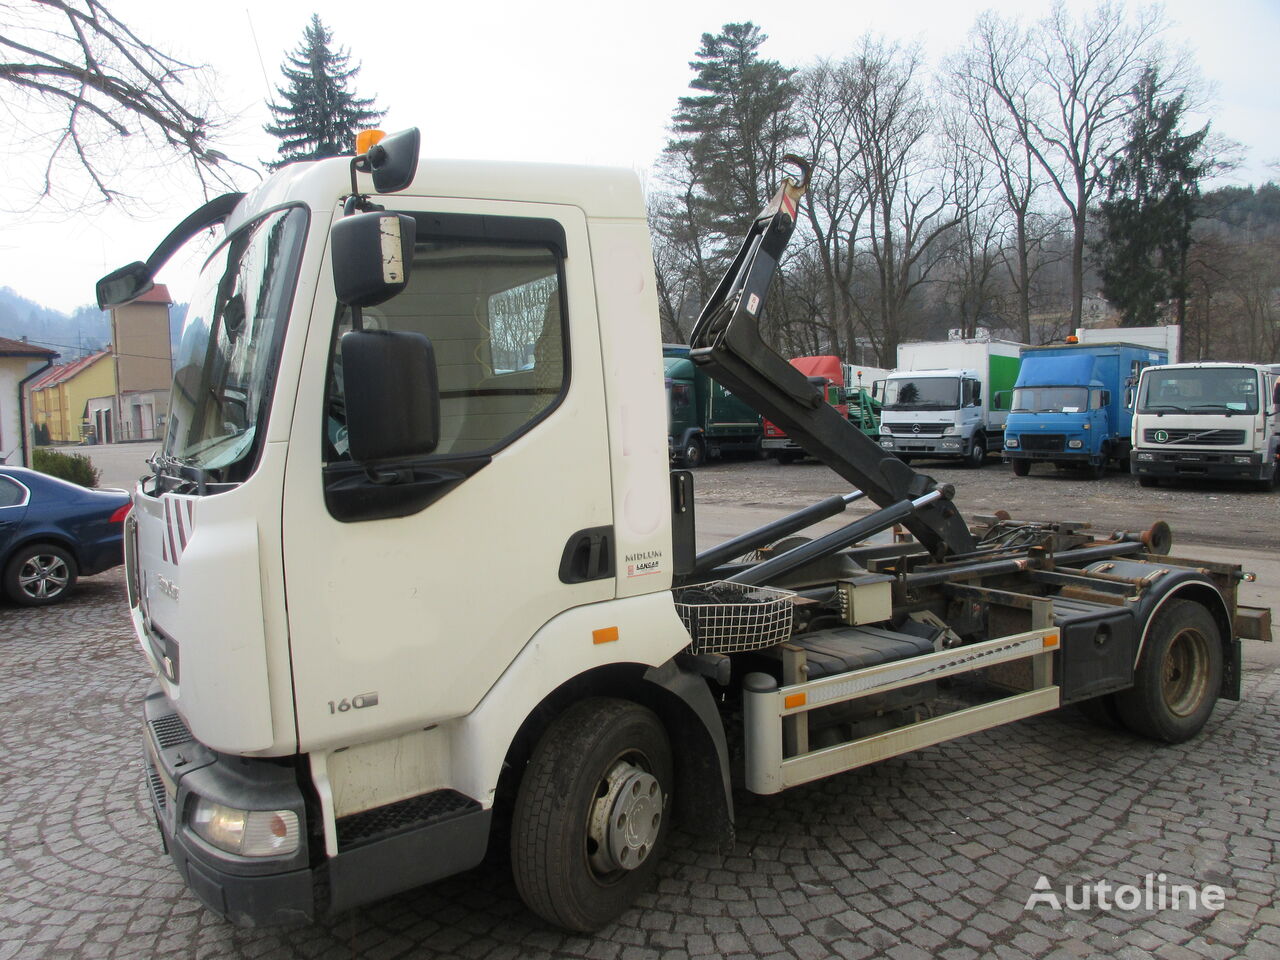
1217	421
412	571
944	399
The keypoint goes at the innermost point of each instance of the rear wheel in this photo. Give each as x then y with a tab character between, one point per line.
591	813
39	574
1021	468
1147	481
1178	677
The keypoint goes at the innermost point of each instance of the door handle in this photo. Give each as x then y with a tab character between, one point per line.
588	556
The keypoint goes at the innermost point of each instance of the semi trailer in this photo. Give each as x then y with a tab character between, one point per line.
414	576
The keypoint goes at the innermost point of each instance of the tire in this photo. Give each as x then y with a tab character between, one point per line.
1096	471
694	453
39	574
1021	468
977	452
599	760
1178	676
785	456
1146	481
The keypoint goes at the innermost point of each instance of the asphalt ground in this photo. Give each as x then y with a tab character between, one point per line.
934	854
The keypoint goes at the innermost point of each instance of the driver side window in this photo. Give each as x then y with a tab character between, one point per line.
494	313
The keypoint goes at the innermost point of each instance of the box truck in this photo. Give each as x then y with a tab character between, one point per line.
945	399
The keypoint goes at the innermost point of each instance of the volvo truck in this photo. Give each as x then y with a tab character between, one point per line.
703	418
414	576
1208	421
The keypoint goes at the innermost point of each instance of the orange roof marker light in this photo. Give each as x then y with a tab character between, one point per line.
366	139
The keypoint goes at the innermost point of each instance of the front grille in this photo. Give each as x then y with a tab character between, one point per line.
909	429
1044	442
170	731
395	817
1199	438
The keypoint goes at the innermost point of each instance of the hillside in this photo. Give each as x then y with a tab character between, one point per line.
73	335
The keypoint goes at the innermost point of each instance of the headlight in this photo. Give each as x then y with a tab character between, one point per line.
1075	444
949	431
249	833
1011	443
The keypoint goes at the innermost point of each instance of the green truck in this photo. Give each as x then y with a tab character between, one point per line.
703	418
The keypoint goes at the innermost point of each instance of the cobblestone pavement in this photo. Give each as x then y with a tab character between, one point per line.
930	855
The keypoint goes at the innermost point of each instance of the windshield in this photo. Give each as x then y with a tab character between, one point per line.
1050	399
1225	390
225	365
923	393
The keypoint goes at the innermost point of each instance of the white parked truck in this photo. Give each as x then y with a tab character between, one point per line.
1217	421
944	399
411	565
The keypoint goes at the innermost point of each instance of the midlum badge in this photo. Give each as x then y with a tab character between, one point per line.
643	563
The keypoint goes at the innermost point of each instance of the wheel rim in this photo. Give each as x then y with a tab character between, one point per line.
626	819
691	453
1185	677
43	576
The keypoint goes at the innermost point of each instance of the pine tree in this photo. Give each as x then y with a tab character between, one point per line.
319	116
1152	194
733	135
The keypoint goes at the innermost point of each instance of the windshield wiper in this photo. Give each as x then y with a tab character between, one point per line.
1213	406
167	466
1155	407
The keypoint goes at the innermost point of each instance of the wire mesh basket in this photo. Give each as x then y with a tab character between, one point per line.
724	617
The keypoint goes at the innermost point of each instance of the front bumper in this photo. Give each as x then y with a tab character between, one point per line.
248	891
380	852
1215	465
1050	456
924	446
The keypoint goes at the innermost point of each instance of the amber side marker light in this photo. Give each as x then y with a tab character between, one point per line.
793	700
1051	641
366	139
604	635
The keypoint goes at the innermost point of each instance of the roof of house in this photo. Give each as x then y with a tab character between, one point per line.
157	294
17	348
65	371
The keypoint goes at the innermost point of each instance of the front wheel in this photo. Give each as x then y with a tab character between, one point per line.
591	813
39	574
694	454
1021	468
1147	481
1176	683
977	452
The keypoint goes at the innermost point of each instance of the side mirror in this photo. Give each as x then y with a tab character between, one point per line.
393	161
1128	398
392	394
977	393
1106	398
997	399
121	286
371	255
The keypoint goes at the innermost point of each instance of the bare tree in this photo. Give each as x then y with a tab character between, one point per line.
1064	86
76	63
912	199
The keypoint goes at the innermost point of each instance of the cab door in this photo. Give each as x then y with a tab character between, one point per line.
405	613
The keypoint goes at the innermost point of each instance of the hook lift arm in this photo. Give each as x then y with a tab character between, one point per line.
726	341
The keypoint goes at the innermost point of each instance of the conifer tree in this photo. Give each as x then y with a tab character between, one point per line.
1152	193
319	116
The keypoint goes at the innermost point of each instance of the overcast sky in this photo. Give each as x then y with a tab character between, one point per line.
579	83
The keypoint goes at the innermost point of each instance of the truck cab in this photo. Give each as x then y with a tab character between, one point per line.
1216	421
704	420
935	413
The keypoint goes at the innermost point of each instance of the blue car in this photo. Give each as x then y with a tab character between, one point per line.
52	532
